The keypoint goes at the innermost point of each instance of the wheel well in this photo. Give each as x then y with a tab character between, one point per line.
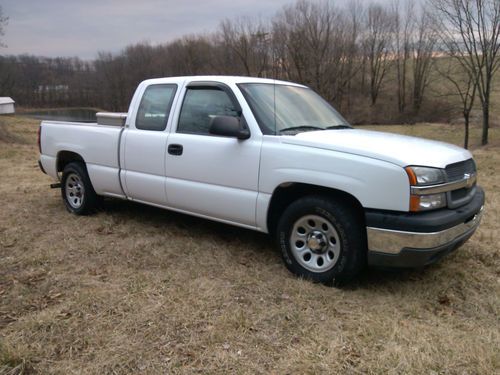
66	157
287	193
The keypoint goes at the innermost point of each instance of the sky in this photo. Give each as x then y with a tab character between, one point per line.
84	27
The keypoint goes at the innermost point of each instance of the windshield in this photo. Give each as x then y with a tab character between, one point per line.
285	109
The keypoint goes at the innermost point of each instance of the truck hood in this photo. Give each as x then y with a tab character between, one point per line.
394	148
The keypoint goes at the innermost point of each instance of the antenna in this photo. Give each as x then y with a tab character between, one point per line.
274	101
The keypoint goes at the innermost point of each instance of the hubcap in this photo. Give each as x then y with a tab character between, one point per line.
315	243
75	190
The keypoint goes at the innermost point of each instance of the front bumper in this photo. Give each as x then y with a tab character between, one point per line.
415	240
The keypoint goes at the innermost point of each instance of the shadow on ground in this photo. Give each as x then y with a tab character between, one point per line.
260	243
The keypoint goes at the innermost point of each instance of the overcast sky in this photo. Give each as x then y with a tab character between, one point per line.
84	27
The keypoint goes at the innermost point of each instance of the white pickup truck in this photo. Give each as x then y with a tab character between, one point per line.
275	157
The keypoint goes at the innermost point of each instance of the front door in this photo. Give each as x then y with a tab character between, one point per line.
211	175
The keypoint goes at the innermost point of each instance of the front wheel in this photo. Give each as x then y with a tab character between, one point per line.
322	239
77	191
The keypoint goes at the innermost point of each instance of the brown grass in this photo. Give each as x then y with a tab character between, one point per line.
135	289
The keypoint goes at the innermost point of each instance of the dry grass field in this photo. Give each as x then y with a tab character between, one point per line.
139	290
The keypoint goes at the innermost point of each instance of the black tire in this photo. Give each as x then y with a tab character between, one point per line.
78	193
339	239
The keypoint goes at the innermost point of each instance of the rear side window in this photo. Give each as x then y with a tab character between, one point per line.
200	105
155	107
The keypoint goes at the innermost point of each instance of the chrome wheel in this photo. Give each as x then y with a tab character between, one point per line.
315	243
75	191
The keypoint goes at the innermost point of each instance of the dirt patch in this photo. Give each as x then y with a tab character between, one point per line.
134	289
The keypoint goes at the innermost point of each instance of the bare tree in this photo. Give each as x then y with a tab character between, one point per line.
464	87
5	76
308	29
193	55
139	60
469	30
289	40
423	58
352	60
246	39
112	80
3	22
403	30
279	59
8	75
318	44
377	41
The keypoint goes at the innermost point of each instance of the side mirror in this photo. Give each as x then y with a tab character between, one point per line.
228	126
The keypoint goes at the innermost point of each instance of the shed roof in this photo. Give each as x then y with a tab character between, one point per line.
6	100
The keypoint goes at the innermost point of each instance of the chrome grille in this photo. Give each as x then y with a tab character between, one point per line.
456	171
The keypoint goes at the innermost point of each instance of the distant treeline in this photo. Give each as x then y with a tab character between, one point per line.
373	62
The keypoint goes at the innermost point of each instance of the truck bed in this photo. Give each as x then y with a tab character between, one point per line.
97	144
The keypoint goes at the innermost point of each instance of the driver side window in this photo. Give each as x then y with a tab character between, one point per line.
200	105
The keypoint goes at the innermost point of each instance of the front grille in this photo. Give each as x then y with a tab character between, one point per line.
456	171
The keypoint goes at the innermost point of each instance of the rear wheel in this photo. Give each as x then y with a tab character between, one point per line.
322	239
77	191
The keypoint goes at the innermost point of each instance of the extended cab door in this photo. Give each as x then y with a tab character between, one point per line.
145	143
211	175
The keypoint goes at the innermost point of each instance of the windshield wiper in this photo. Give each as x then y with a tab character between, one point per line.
303	127
343	126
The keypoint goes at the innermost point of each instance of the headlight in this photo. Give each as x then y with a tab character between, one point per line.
422	176
425	175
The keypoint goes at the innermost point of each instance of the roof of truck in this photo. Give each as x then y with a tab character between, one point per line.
218	78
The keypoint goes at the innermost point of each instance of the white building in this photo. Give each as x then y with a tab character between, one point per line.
6	105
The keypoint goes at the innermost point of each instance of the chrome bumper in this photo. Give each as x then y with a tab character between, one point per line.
393	241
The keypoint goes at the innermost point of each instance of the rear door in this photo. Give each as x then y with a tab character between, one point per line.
145	144
211	175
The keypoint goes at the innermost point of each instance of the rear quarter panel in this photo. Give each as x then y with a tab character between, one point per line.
96	144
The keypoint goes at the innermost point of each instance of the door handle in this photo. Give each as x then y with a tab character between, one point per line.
175	149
